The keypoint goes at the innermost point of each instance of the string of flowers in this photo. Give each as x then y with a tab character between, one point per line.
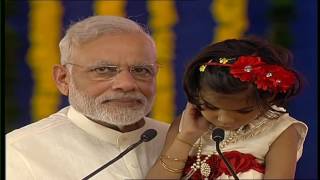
163	17
115	8
44	34
230	17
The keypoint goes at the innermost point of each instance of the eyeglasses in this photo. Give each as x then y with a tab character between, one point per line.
142	72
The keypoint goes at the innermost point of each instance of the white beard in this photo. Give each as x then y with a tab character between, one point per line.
117	115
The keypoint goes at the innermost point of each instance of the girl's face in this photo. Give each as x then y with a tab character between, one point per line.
229	111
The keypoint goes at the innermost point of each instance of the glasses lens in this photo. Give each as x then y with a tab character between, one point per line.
105	72
142	71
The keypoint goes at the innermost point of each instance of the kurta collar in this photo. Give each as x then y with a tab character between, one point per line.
102	132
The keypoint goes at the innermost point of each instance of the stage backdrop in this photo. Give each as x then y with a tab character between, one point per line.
180	28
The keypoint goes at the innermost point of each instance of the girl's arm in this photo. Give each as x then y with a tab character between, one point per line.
178	144
282	156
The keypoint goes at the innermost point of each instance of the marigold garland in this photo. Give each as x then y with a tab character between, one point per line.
231	18
44	27
115	8
163	17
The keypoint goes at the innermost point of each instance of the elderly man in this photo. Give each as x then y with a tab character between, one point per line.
108	70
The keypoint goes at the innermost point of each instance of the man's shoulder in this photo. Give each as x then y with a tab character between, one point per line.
160	125
46	124
155	121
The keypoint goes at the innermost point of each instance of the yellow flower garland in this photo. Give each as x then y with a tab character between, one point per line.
44	35
163	17
115	8
231	18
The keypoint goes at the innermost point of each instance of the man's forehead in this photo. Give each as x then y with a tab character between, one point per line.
102	51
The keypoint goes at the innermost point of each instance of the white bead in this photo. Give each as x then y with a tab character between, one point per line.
269	74
248	68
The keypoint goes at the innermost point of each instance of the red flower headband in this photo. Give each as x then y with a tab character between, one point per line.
252	69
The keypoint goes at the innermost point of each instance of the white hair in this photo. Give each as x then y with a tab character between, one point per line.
93	27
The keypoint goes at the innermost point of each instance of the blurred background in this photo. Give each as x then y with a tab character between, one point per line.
180	28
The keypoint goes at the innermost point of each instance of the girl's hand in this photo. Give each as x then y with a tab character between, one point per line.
192	124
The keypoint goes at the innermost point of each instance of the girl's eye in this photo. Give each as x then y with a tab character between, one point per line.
205	105
245	111
208	106
212	107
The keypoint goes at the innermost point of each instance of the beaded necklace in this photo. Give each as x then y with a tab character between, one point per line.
244	132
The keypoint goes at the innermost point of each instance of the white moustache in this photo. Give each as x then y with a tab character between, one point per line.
127	97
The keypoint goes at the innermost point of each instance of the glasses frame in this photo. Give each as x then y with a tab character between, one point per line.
131	69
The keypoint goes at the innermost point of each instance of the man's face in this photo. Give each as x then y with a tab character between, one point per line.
121	98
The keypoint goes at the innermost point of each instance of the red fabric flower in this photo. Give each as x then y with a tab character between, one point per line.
252	69
246	68
275	78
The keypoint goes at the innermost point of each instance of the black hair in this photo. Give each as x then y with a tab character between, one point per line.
218	78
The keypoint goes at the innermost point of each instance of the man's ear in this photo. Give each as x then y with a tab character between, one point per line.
61	77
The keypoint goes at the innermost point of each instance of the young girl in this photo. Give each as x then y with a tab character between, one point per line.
241	86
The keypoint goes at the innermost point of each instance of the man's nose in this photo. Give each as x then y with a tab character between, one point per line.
124	81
